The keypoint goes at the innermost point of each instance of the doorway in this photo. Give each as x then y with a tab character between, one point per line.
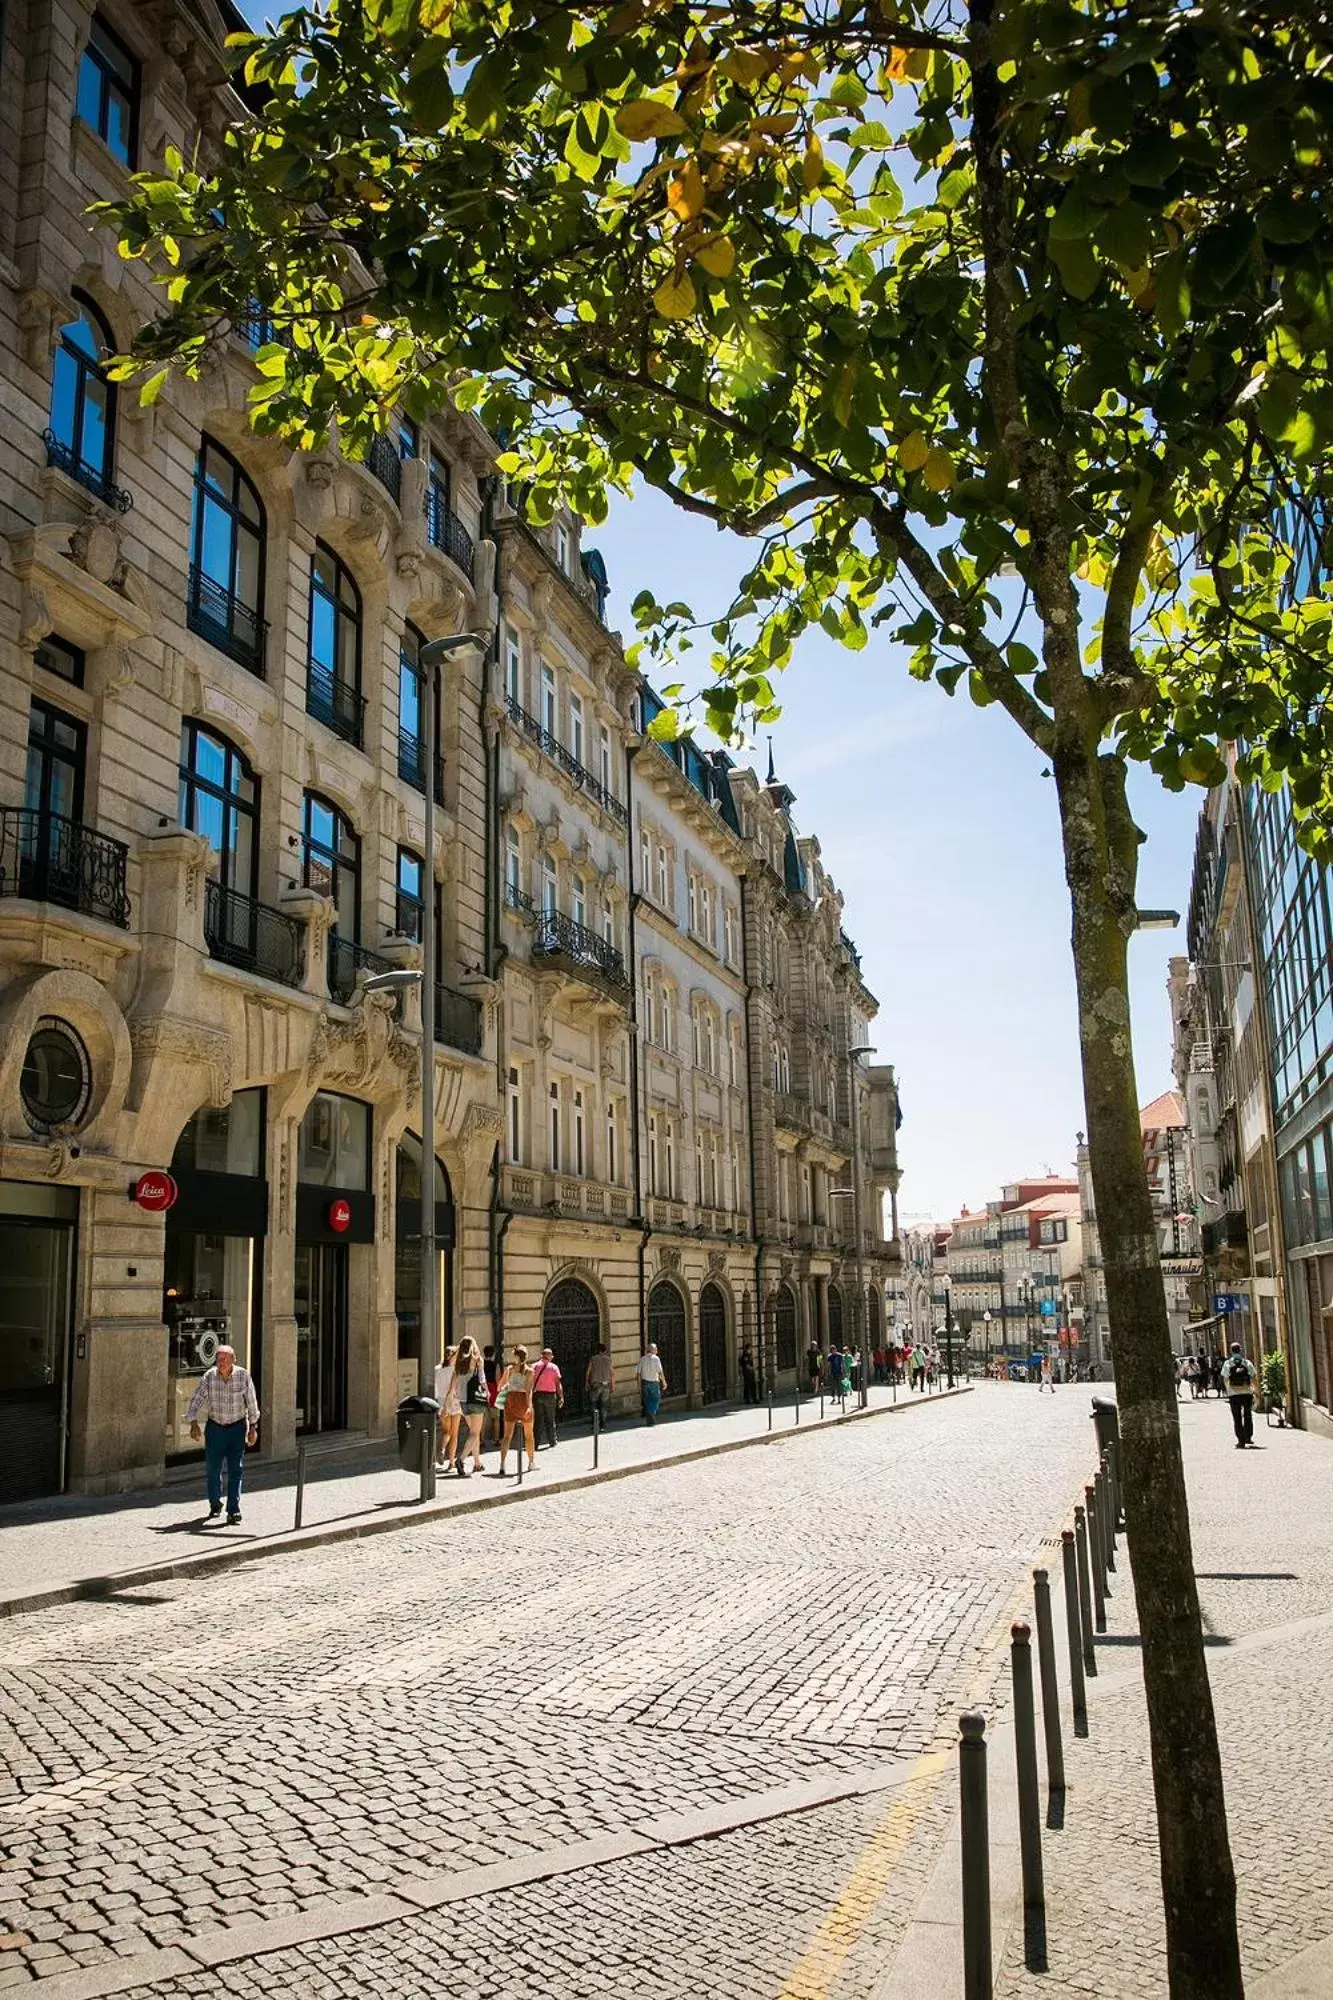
571	1328
36	1257
712	1344
320	1305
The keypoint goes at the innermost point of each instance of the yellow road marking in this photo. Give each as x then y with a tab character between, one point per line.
812	1976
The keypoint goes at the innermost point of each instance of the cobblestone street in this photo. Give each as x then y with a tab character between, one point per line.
293	1735
689	1732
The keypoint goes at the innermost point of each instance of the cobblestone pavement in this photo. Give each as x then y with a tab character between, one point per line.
45	1545
349	1721
1263	1554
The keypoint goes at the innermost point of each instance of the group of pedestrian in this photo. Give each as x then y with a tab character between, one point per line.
835	1374
1202	1372
522	1401
1233	1378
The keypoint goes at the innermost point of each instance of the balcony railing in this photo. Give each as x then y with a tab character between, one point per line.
55	860
91	476
227	622
346	960
446	531
341	707
568	763
384	461
519	900
410	765
562	937
251	935
460	1021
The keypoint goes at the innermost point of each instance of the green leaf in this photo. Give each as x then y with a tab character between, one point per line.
1080	273
1124	234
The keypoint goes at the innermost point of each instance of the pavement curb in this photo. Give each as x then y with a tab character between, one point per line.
95	1588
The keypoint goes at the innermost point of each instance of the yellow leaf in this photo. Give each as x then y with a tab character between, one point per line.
896	67
674	297
717	254
938	470
776	127
812	166
913	451
746	65
685	196
917	65
645	118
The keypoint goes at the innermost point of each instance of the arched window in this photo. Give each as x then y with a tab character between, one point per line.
571	1328
333	679
834	1316
666	1329
411	759
513	868
331	862
81	438
227	559
784	1327
219	797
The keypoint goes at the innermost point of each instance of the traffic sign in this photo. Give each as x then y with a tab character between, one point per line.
1228	1302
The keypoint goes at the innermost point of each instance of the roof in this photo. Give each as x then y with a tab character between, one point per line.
1166	1110
1060	1201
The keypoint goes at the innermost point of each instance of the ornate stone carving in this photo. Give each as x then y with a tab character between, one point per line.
364	1053
483	1121
668	1260
35	618
180	1042
717	1260
38	314
95	547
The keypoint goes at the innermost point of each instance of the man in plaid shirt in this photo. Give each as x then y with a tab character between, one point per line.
226	1394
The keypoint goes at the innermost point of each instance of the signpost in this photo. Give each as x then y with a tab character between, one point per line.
1228	1302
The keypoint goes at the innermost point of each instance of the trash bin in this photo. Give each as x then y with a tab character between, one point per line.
415	1415
1106	1417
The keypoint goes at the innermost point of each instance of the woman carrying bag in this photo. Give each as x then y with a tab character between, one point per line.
516	1388
470	1377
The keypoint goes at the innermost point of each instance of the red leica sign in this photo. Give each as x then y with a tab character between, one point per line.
154	1191
340	1215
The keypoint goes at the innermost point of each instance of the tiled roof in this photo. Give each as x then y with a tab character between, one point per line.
1168	1109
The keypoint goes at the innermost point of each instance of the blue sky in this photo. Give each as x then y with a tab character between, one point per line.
937	826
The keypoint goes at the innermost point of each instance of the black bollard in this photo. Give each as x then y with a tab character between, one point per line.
1095	1553
974	1815
300	1483
596	1433
1084	1595
1077	1688
1029	1800
1109	1517
798	1400
1050	1687
770	1406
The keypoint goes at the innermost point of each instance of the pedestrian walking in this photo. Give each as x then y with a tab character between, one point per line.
516	1389
548	1396
449	1396
749	1380
226	1399
491	1422
470	1375
599	1381
836	1387
652	1383
1239	1375
1047	1375
1215	1375
814	1367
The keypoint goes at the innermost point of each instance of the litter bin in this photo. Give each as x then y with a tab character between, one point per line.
415	1415
1106	1417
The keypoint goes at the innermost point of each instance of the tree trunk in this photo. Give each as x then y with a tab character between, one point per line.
1198	1882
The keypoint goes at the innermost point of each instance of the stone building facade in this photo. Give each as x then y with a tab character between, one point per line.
212	833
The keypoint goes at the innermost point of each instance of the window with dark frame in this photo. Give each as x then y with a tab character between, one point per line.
331	862
333	689
408	909
227	546
56	656
81	431
107	98
219	798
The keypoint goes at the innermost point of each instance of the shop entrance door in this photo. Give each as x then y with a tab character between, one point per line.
712	1344
321	1336
35	1257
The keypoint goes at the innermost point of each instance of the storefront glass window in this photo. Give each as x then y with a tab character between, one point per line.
209	1299
335	1143
225	1139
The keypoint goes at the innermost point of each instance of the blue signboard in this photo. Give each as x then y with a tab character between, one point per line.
1228	1302
1048	1308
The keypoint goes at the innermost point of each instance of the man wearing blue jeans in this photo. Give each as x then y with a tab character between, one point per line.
226	1397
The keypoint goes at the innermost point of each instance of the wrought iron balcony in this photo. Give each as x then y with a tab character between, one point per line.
50	859
552	747
519	900
253	936
226	621
460	1021
410	765
346	959
446	531
565	939
384	461
90	476
341	707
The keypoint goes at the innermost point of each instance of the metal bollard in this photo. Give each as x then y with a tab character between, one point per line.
427	1468
797	1400
300	1483
1096	1556
1050	1686
1029	1803
974	1814
596	1433
521	1439
821	1401
1110	1514
1084	1595
770	1406
1073	1632
1117	1495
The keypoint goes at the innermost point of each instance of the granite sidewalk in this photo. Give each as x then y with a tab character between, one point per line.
54	1551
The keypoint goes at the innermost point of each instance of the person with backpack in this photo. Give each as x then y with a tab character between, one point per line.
814	1367
1238	1377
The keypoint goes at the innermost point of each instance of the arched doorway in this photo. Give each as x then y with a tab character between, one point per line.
571	1328
712	1344
834	1315
666	1327
784	1327
873	1307
407	1257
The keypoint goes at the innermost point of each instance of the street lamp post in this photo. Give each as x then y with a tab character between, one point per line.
948	1328
433	655
986	1322
860	1324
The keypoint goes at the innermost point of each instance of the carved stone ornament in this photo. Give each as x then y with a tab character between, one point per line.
38	315
95	547
35	618
717	1260
165	1037
364	1052
483	1121
668	1260
786	1266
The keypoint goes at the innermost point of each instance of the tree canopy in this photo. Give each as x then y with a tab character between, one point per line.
918	296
